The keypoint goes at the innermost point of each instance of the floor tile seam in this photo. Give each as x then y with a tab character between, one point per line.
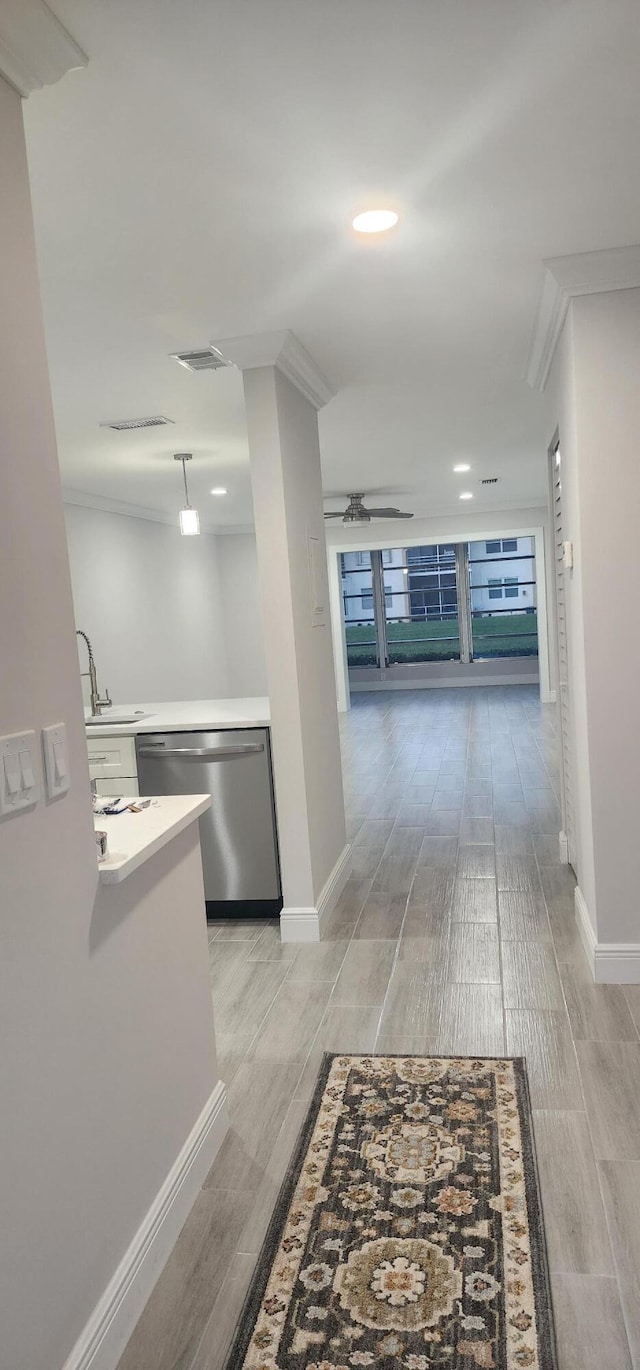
619	1272
289	966
591	1141
363	941
629	1008
235	969
326	1008
500	960
396	959
228	1277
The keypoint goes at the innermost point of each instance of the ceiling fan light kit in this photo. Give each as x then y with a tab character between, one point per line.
356	512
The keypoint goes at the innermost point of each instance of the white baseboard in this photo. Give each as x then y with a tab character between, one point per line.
564	848
107	1332
585	928
610	963
445	683
305	924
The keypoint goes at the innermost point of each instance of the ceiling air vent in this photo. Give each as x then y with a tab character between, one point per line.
489	480
205	359
123	425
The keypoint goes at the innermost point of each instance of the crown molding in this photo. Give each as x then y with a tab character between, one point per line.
84	499
282	350
565	278
35	48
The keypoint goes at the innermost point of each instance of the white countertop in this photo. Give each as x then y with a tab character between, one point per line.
134	837
191	715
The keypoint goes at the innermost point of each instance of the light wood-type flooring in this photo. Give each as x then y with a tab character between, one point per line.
455	934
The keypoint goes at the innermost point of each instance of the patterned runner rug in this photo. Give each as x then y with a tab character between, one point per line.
408	1231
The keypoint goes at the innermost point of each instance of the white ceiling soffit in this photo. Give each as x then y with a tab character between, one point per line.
35	48
282	350
584	273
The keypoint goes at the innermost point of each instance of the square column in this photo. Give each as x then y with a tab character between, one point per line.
283	391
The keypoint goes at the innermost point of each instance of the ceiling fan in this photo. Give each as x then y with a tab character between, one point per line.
355	512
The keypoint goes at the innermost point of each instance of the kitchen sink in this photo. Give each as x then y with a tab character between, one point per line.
112	716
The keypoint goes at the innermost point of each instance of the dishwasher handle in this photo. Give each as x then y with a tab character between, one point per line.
158	751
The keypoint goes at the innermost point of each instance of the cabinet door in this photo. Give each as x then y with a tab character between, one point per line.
126	787
111	757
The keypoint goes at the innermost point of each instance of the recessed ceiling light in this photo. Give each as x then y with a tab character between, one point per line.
219	490
466	494
462	467
375	221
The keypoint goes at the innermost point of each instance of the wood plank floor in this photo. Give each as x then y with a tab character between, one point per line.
455	933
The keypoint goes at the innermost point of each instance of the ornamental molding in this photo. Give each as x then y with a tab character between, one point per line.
36	50
565	278
282	350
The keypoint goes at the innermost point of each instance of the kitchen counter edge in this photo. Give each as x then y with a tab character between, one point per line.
198	715
135	837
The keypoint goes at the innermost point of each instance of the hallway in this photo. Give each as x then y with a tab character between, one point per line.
455	934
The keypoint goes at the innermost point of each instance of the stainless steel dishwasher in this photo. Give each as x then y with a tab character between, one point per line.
238	833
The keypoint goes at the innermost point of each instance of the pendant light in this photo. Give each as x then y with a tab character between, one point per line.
189	518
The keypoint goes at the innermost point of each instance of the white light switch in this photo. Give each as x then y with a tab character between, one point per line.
19	779
56	765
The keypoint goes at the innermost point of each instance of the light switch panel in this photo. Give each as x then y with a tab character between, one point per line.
19	772
56	762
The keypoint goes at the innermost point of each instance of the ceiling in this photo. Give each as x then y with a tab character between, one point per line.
198	180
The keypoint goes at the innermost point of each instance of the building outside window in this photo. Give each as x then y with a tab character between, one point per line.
498	545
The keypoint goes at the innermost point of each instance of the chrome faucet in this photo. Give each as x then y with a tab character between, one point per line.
97	704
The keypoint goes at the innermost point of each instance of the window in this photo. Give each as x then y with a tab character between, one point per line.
499	545
420	619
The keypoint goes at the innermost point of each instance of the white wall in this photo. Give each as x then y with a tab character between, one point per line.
560	397
595	397
150	601
106	1057
241	614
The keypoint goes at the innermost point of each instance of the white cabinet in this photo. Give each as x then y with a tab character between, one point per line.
112	764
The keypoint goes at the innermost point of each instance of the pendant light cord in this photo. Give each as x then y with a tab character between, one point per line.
186	488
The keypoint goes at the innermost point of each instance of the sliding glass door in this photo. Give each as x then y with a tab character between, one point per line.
421	605
502	585
359	616
459	602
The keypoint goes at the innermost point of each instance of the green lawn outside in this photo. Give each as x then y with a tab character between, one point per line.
490	639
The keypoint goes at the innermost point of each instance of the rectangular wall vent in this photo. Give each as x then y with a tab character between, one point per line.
489	480
205	359
123	425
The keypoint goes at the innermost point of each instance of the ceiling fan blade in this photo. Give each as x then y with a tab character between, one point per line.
388	514
335	516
